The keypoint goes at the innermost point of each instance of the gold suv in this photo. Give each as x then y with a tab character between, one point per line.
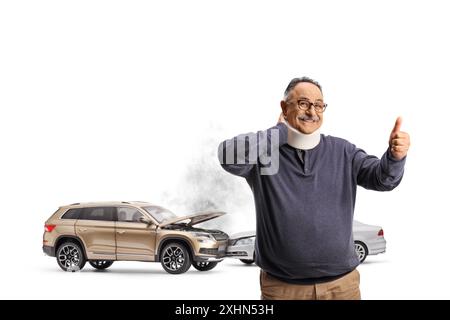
104	232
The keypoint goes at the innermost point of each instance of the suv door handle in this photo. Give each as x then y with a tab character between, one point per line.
121	231
82	229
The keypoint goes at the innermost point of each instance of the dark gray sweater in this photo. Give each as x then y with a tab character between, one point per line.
304	212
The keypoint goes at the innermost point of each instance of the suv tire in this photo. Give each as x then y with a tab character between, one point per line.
101	264
175	258
204	265
70	257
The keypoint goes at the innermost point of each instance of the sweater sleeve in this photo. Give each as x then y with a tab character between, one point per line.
377	174
242	154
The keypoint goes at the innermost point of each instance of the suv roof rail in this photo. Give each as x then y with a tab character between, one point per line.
125	202
74	204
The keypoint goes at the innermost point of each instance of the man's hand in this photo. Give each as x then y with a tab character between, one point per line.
398	141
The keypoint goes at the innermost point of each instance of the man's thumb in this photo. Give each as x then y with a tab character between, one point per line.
398	124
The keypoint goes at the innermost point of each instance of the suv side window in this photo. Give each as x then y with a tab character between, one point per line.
72	214
98	213
126	214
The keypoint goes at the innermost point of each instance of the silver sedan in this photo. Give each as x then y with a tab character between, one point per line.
369	240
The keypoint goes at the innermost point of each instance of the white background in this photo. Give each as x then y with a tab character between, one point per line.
127	100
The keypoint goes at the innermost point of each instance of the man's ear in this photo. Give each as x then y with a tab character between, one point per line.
284	107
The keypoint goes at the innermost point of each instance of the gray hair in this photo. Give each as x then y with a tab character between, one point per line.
296	81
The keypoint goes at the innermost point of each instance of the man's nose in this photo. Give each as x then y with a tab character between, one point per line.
311	110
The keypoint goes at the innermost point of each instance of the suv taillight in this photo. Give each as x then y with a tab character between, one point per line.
49	227
380	233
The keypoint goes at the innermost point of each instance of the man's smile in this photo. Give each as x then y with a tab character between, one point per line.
307	120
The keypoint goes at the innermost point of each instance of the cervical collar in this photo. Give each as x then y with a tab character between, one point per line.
300	140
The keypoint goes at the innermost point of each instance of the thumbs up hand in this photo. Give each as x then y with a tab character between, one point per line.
398	141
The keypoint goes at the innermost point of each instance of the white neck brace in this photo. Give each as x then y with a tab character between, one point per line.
300	140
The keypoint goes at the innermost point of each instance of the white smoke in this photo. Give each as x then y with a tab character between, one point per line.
204	185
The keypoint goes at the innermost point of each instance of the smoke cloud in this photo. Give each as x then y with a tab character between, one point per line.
204	185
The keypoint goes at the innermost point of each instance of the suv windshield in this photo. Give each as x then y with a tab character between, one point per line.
160	214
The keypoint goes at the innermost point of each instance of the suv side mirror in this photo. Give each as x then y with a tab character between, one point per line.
145	220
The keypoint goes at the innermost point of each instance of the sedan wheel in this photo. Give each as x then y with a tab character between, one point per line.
361	251
175	258
247	261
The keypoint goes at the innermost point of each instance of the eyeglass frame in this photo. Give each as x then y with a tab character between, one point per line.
309	105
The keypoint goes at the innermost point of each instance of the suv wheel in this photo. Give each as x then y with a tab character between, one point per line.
70	257
101	264
175	258
204	265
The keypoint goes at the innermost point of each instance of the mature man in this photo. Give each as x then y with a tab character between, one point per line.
304	209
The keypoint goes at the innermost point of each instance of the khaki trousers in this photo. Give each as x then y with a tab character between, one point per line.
345	288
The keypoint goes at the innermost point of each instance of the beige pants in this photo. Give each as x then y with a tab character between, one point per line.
345	288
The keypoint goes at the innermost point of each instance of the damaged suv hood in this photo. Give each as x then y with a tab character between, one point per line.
195	218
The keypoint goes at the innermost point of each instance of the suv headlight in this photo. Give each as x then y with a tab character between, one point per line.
245	241
203	237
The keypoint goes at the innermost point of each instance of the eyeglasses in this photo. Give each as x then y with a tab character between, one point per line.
304	104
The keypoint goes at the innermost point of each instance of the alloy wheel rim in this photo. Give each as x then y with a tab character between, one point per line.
360	251
202	264
99	263
69	256
173	258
